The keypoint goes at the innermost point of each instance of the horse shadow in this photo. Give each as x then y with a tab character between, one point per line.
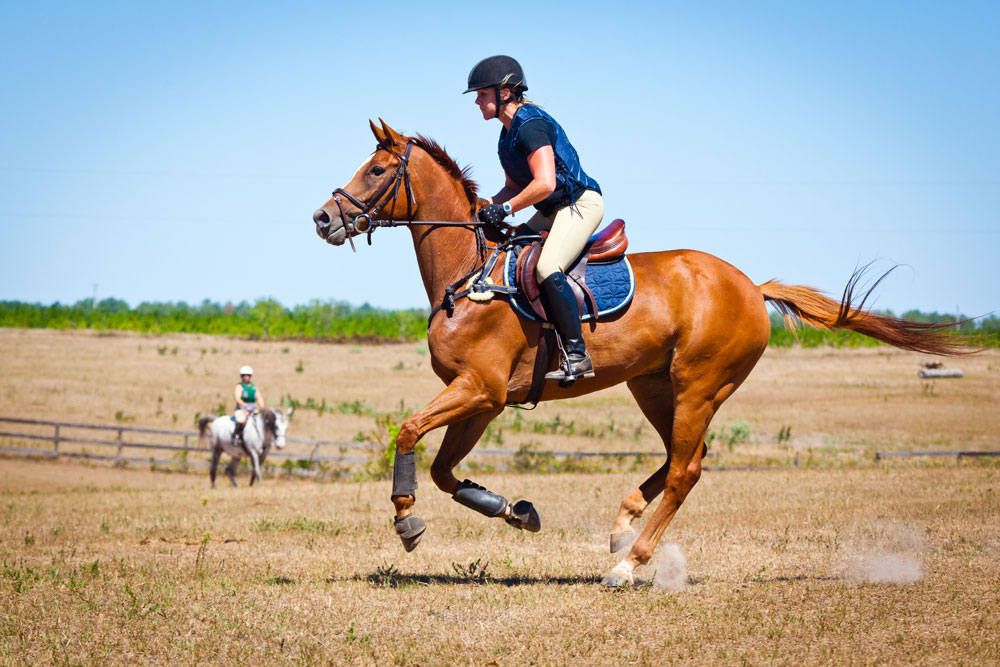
394	579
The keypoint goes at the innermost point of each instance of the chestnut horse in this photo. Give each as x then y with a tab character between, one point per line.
692	334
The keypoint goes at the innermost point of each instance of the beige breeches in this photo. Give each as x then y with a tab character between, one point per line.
569	231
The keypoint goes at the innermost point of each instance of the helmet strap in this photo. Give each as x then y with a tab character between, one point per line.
500	102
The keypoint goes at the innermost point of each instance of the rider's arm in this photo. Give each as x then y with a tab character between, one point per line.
239	396
542	163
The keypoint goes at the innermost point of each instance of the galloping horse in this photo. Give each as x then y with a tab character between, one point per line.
264	429
692	334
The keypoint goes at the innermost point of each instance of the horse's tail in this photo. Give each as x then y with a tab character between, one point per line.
204	430
810	306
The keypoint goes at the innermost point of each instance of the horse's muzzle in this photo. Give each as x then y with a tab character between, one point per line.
326	230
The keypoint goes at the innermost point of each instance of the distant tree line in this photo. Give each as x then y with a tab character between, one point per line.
341	322
265	318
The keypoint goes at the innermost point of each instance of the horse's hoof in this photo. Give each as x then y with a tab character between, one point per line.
523	516
618	577
410	529
622	540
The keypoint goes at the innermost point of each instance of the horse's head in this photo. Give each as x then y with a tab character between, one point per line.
277	422
380	188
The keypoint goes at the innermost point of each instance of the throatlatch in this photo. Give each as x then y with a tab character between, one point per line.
478	498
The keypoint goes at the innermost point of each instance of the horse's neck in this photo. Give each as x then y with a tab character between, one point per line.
444	254
261	433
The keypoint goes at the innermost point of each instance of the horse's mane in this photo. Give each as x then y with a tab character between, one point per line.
461	174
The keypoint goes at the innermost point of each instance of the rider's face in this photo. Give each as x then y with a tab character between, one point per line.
245	378
486	100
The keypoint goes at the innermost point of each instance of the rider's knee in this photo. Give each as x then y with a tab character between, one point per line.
546	268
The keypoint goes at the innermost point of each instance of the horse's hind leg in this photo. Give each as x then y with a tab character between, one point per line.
213	468
231	470
691	419
655	396
705	386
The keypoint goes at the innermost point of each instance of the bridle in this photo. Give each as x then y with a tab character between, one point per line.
485	260
366	220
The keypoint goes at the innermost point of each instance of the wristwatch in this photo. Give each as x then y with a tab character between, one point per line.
507	209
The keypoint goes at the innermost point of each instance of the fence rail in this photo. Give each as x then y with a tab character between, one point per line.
957	455
58	436
316	447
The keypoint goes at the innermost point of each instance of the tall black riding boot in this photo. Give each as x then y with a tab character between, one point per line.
560	304
238	434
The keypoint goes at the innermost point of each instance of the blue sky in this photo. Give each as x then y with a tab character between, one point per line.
176	151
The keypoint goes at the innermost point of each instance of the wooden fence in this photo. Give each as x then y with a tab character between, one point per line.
115	438
957	455
123	440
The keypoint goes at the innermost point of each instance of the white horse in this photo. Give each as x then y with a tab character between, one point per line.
264	429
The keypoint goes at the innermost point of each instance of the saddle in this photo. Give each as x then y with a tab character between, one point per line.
606	246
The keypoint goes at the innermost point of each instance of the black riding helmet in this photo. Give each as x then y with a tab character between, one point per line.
494	72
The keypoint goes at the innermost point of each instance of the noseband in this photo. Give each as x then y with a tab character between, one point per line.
370	208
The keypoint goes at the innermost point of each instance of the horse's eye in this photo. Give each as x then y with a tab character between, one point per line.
378	170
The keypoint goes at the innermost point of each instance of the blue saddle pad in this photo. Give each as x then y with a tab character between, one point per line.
612	283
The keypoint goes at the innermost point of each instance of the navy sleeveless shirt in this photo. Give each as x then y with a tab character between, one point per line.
571	180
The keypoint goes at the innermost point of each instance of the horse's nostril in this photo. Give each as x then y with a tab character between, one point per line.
321	218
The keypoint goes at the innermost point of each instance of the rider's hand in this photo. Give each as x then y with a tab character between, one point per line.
493	214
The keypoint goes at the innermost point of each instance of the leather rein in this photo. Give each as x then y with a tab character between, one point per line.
366	221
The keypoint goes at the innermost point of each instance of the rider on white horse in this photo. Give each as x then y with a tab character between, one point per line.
248	400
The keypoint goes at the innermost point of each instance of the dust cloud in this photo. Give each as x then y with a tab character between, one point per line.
884	552
671	568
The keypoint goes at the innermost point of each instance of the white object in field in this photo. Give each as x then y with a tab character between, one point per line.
934	373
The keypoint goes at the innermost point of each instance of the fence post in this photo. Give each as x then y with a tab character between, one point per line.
55	442
121	446
186	441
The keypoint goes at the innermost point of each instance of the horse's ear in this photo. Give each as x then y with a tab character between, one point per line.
380	136
395	137
290	410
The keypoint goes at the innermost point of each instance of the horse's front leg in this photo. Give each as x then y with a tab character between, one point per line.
254	466
458	442
465	397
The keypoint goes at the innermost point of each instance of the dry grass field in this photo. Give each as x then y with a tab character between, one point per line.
840	405
122	566
846	561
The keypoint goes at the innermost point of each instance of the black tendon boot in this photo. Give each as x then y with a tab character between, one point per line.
560	304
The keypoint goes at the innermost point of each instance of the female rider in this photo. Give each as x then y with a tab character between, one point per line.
542	170
247	401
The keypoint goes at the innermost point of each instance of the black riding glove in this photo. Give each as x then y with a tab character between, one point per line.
492	214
